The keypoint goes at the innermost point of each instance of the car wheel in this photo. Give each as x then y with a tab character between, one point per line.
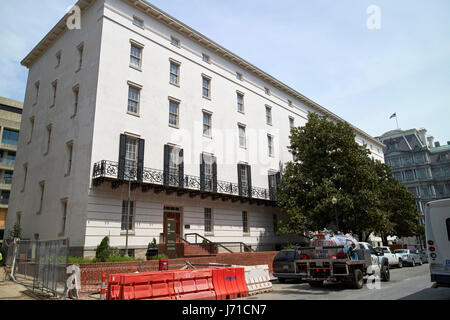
420	262
413	264
358	279
316	284
385	273
400	263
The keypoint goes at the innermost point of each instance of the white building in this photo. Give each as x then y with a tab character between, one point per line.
196	127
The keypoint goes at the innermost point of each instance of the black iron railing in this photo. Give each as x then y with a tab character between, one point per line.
110	169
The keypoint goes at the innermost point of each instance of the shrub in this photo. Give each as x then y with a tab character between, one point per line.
102	252
152	245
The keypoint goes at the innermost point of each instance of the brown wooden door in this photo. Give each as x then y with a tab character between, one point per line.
177	217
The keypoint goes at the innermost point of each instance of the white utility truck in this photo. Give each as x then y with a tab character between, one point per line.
394	259
437	229
339	258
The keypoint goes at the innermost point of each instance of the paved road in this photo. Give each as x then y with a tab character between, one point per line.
406	284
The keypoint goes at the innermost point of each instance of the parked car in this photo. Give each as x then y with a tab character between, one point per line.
423	256
393	258
409	257
284	265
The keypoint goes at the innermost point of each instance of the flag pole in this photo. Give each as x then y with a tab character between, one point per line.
396	120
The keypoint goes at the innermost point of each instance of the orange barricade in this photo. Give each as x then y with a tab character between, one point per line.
148	286
113	292
229	283
194	285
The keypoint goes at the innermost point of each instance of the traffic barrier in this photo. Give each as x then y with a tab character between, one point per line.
229	283
113	292
148	286
194	285
257	279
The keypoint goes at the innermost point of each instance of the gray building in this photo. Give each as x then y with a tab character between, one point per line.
418	162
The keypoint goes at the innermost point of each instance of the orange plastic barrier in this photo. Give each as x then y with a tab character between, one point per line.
148	286
229	283
113	292
194	285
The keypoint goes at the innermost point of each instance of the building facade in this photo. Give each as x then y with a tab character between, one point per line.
421	164
135	122
10	118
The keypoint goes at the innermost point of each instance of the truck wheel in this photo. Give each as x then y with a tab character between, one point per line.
316	284
400	263
420	262
385	273
358	279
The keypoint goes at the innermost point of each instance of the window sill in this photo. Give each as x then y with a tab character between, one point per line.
209	234
175	84
207	137
241	112
174	127
136	68
246	235
207	98
67	175
130	233
133	114
51	106
73	116
78	70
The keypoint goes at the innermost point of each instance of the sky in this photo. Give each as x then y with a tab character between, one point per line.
322	49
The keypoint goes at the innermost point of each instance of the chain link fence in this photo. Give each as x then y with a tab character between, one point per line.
40	265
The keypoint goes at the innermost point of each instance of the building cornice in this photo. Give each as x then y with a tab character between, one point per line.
196	36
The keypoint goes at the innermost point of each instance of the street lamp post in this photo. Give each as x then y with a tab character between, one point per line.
334	202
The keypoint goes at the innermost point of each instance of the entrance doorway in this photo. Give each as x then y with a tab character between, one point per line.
172	223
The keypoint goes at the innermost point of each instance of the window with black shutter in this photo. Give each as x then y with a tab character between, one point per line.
208	173
244	180
274	180
173	166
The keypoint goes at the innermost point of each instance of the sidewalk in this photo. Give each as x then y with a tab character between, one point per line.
9	290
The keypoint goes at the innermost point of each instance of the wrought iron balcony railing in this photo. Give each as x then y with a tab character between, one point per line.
110	169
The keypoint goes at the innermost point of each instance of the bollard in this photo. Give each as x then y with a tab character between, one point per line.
103	287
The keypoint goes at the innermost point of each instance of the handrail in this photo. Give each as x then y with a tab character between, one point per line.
242	244
207	240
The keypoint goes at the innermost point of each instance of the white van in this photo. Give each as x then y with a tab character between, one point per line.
437	226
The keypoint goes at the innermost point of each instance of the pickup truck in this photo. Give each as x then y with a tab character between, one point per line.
393	258
330	263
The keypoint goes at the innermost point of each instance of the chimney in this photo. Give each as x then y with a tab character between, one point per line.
430	141
437	144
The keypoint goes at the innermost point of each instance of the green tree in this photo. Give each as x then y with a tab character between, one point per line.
328	163
102	253
16	232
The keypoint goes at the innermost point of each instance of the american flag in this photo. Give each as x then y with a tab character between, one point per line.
393	116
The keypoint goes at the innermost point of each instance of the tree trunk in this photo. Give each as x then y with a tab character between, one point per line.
385	240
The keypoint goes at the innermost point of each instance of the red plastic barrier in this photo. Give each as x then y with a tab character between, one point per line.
148	286
194	285
229	283
113	292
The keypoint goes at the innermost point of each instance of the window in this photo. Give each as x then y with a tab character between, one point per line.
291	123
175	42
207	124
175	73
4	197
138	22
42	187
242	138
245	222
80	49
270	144
173	165
206	85
127	210
133	99
208	221
10	137
240	102
58	59
7	177
69	160
19	217
49	136
244	182
131	156
31	129
135	56
208	179
54	88
267	90
76	94
174	109
25	173
239	76
64	217
206	58
36	96
268	115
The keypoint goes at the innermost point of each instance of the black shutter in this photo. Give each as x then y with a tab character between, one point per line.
181	168
239	179
214	169
202	172
122	151
140	164
271	188
166	164
249	176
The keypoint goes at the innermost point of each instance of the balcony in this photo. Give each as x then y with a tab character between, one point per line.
7	164
160	181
